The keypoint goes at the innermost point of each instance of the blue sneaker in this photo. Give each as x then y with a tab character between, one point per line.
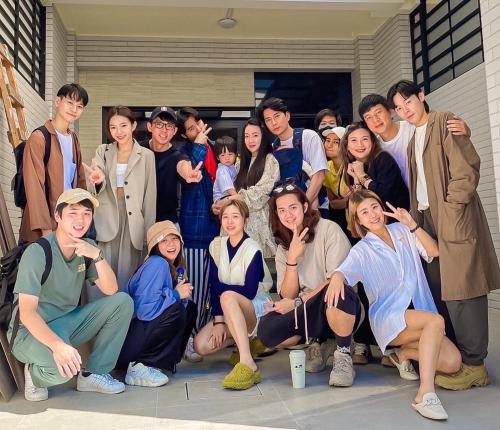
145	376
104	384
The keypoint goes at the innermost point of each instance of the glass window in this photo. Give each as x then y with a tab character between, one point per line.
468	8
28	50
468	64
440	47
453	44
441	80
466	28
436	14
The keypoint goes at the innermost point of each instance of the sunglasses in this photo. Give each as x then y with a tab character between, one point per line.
286	185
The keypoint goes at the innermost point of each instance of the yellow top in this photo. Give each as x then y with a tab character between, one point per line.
334	180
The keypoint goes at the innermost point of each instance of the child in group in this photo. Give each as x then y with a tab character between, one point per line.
225	151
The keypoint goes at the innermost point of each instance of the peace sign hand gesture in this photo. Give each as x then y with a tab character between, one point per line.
402	215
297	245
95	174
194	175
203	130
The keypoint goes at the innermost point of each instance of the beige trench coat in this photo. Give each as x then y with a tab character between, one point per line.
38	215
468	263
140	194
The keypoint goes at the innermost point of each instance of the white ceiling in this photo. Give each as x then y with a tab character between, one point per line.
314	19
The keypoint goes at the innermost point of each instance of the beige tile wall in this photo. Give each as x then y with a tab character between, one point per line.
153	88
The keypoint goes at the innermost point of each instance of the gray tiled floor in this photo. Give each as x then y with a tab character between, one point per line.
193	399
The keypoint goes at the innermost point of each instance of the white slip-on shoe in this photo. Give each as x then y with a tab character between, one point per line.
430	407
406	369
31	391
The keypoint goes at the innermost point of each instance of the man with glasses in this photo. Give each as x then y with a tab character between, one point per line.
170	163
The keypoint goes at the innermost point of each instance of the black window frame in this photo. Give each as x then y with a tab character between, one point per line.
33	36
422	60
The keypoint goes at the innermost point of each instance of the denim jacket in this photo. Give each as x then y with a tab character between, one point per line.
197	222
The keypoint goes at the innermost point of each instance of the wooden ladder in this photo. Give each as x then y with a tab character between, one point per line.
11	374
12	102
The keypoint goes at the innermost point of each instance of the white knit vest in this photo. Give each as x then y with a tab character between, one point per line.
233	273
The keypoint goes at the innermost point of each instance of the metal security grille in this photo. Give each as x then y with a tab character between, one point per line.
446	41
22	29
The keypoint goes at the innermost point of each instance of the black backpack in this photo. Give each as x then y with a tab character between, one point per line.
9	264
17	185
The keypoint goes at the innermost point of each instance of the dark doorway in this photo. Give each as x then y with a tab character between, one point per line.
307	93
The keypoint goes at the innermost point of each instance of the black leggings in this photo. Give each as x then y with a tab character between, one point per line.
160	342
275	328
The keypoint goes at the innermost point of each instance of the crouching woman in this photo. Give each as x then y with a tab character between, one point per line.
239	281
310	248
163	314
402	312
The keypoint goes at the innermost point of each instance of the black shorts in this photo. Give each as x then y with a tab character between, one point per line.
275	328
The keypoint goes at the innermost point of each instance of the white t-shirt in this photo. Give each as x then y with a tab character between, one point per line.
313	151
422	197
121	169
66	144
224	180
398	147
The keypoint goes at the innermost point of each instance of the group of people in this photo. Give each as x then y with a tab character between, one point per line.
376	229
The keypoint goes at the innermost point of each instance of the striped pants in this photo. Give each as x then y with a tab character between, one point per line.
197	271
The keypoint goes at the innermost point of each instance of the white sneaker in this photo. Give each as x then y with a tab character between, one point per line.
431	407
406	369
31	391
342	374
144	376
104	384
190	354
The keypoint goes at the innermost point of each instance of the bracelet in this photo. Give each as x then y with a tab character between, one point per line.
291	265
413	230
219	322
357	187
364	179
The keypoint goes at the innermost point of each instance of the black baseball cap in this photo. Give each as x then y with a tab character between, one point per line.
163	111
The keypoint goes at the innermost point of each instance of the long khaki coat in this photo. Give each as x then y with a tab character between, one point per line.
140	194
468	263
38	215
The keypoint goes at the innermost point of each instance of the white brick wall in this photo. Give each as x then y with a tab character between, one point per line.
96	52
392	52
363	75
490	20
55	59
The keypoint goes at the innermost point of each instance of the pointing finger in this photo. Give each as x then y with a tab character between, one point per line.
389	214
392	208
87	167
304	232
198	166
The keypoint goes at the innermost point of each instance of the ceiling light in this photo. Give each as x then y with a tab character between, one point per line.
228	21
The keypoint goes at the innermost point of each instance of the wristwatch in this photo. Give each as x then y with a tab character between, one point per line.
100	257
298	301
